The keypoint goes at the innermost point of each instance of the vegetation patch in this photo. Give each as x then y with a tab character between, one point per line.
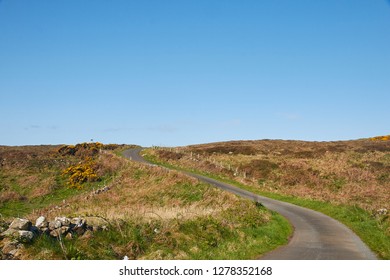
36	177
381	138
347	180
152	213
81	173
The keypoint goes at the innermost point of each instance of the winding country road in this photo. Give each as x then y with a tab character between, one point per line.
316	236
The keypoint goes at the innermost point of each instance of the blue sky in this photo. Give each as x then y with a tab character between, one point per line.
193	71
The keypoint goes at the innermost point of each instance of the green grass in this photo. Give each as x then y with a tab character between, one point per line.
62	192
373	231
204	238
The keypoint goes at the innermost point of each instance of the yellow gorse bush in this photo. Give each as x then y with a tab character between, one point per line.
380	138
81	173
87	169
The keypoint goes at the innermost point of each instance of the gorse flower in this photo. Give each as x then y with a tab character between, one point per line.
380	138
81	173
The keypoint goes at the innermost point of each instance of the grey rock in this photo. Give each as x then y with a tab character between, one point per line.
20	224
55	224
9	232
41	222
25	236
78	222
78	226
63	220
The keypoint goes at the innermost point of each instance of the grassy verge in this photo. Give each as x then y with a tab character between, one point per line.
203	238
373	231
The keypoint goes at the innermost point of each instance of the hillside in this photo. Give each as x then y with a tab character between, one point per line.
348	180
144	212
351	172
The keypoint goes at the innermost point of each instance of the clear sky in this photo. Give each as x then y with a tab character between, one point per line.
155	72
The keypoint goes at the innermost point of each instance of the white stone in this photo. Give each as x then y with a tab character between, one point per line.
41	222
63	220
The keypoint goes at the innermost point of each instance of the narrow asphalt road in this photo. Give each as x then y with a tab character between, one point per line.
316	236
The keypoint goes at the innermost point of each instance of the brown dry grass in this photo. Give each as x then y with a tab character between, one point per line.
32	174
29	171
143	192
154	213
136	190
345	172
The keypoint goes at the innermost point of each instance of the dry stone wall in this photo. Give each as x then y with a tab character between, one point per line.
22	231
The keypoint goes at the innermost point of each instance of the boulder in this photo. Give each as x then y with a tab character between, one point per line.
20	224
55	224
25	236
78	226
63	220
41	222
78	222
9	232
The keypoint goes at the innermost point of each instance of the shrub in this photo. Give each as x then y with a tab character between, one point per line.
81	173
83	149
380	138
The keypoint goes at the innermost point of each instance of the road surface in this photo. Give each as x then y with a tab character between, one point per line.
316	236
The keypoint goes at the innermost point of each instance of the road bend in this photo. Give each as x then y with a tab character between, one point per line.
316	236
